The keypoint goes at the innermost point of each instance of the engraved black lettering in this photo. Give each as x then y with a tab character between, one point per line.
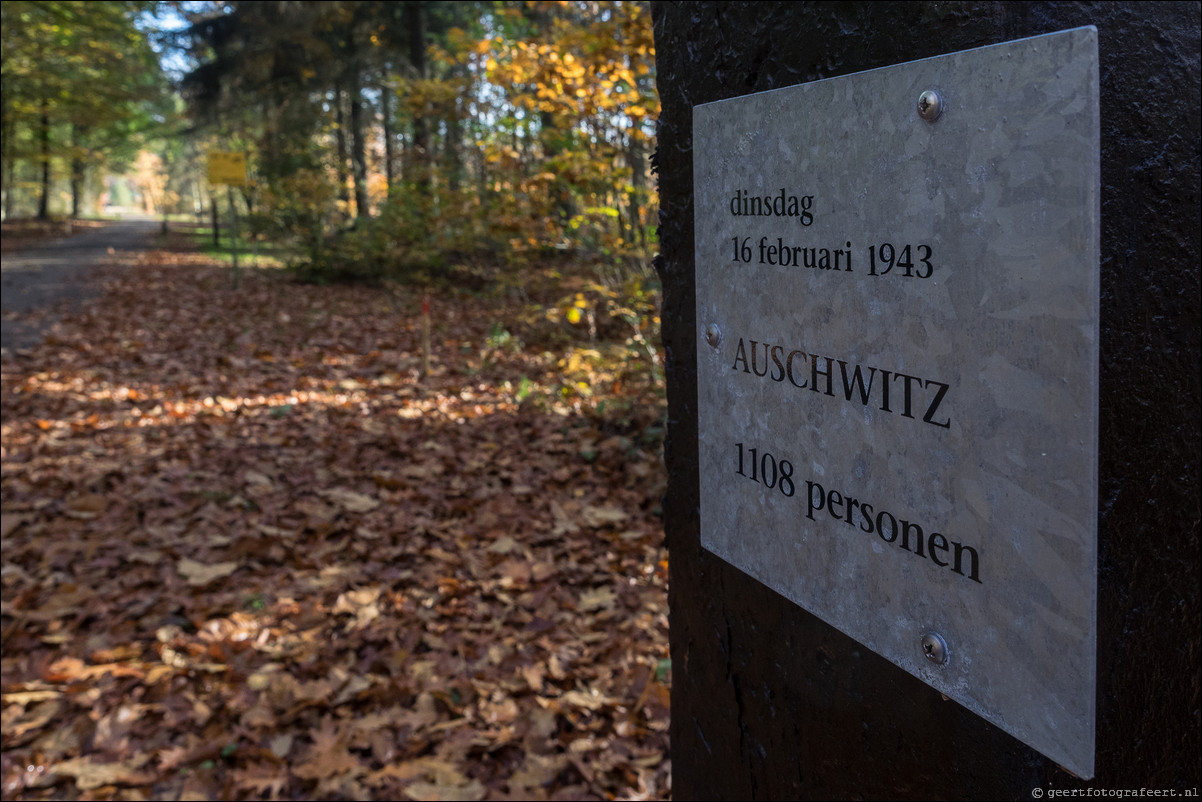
834	499
856	380
940	544
778	203
792	210
789	370
755	362
815	505
906	391
782	204
740	356
806	216
956	561
880	526
907	527
908	535
814	373
777	350
857	383
866	524
785	256
934	405
852	503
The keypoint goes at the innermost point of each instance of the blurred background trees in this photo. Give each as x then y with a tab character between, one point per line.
386	141
81	85
393	138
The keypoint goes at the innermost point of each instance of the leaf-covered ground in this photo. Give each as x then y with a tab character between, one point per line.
249	552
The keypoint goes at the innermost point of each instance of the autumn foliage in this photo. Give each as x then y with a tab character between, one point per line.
249	551
388	141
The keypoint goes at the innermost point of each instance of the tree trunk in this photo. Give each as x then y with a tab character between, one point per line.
386	113
638	168
551	139
6	159
340	139
358	146
216	224
44	136
454	155
77	170
268	152
417	58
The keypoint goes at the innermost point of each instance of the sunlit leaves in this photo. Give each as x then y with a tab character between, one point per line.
252	554
520	128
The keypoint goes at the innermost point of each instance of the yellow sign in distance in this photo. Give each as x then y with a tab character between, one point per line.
227	167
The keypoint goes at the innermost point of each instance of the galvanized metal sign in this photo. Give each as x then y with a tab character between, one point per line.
897	306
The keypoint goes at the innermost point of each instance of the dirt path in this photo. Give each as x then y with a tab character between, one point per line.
42	276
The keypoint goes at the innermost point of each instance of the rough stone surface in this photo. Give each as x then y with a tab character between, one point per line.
769	702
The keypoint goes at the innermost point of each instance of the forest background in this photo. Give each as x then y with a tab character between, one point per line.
462	129
381	518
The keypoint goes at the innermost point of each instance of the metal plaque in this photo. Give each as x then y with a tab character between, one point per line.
897	308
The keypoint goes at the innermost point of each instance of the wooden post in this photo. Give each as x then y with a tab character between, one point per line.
214	219
234	237
768	701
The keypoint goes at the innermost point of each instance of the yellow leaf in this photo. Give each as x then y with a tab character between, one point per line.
573	315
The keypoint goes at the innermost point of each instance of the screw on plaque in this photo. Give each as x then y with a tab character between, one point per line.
935	648
713	335
930	105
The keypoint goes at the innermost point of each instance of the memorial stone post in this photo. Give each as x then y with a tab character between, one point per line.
931	314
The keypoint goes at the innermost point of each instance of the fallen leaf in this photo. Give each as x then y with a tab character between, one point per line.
328	756
199	574
503	545
602	516
89	775
86	506
469	792
350	500
596	599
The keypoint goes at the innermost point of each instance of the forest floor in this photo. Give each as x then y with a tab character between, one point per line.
249	551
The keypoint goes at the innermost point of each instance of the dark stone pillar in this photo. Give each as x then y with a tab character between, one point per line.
768	702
